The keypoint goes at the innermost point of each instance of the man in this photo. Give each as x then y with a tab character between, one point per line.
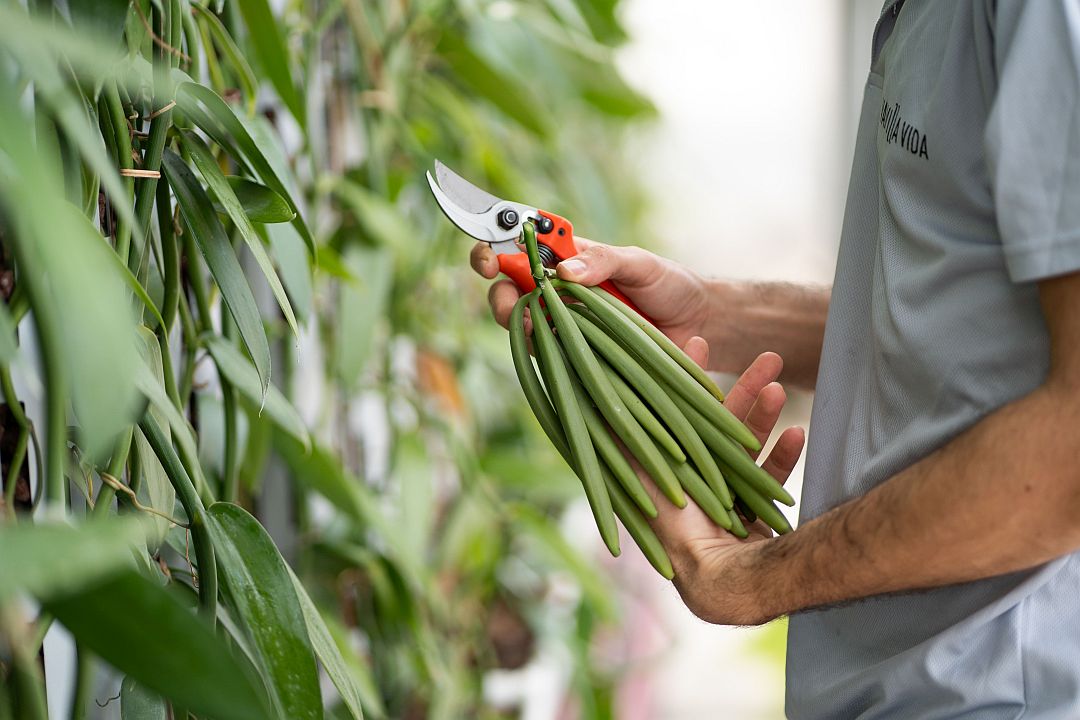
934	572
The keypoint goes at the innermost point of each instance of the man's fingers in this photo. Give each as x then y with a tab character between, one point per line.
501	296
785	453
766	411
598	262
697	348
484	261
764	370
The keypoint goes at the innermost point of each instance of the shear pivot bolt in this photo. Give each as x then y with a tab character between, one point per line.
507	219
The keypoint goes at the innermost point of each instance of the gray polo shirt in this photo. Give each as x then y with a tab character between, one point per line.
965	191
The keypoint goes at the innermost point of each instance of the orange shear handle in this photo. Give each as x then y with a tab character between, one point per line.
560	238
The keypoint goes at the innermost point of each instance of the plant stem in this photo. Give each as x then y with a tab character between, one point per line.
122	141
84	675
116	467
51	343
159	129
193	506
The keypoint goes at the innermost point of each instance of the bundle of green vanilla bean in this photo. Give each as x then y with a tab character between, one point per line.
612	382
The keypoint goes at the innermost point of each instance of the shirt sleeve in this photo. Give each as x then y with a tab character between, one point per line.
1033	136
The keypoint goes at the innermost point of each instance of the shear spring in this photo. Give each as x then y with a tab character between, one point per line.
547	255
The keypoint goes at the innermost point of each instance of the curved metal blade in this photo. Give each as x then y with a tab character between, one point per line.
482	223
461	191
469	223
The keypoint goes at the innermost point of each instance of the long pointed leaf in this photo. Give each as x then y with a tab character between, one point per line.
263	595
265	35
203	223
50	559
214	117
220	187
261	204
238	371
328	653
142	630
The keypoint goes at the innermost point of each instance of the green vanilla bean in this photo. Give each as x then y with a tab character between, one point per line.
576	431
607	399
677	354
628	515
642	413
196	512
656	396
661	363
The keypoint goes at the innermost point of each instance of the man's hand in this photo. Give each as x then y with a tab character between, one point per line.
700	551
741	319
676	298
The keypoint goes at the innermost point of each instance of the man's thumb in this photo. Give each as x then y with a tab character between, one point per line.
591	267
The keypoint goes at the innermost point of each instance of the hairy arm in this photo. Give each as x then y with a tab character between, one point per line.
1011	484
749	318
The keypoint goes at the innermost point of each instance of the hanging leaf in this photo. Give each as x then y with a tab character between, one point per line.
239	63
362	309
263	595
142	630
49	559
204	225
483	79
265	35
330	656
220	186
260	203
292	257
324	473
155	490
214	117
105	16
8	344
140	703
239	372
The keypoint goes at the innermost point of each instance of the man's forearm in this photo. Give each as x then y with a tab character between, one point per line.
1002	496
748	318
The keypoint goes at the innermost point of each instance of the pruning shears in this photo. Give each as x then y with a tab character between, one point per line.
498	222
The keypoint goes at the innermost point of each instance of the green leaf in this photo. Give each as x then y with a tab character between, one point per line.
72	116
260	203
239	371
362	308
106	16
142	630
323	472
224	40
482	78
263	595
292	258
155	490
8	344
328	653
220	186
140	703
600	16
49	559
265	34
204	225
214	117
